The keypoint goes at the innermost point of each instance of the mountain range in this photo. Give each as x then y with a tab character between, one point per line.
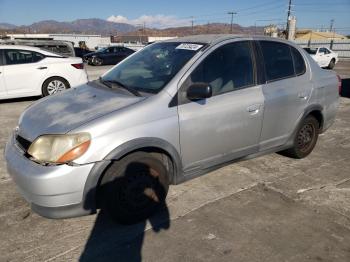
83	26
106	28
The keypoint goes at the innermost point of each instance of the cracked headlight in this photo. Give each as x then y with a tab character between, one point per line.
59	148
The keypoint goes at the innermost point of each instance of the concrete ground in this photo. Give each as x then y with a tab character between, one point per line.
271	208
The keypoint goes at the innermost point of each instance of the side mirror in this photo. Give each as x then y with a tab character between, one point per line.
198	91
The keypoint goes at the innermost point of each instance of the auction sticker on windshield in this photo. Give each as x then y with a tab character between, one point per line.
188	46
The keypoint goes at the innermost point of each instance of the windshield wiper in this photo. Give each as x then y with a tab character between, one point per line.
110	83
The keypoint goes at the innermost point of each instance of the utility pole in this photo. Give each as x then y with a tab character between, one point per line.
331	25
192	24
288	15
231	13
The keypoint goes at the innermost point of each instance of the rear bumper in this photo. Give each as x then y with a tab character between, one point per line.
52	191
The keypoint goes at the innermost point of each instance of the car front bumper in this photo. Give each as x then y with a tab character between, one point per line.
53	191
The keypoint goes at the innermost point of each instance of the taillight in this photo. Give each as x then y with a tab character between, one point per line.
78	66
339	84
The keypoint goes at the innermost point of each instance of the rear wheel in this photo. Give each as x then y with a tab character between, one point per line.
305	139
135	187
54	85
96	61
331	64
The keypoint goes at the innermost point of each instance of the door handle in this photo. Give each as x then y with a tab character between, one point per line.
303	96
253	109
42	67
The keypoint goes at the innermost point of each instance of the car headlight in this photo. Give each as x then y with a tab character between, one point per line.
59	148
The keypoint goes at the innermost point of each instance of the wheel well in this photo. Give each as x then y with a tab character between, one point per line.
161	154
319	117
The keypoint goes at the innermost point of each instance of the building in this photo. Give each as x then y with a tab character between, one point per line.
139	39
315	35
91	41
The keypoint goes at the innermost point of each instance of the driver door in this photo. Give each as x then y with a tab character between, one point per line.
228	124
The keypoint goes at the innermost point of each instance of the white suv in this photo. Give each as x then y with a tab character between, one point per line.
30	71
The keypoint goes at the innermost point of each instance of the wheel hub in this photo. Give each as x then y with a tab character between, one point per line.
305	137
55	86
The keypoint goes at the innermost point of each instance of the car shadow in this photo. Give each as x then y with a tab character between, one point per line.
111	241
345	90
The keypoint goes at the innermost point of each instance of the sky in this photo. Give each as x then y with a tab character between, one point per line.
315	14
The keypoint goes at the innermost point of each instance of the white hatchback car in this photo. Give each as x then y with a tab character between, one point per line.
323	56
30	71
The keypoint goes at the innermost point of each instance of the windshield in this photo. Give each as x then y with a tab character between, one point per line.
150	69
311	51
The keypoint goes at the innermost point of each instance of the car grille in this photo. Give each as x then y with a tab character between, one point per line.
23	143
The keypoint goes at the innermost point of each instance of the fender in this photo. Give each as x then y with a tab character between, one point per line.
311	108
89	195
307	111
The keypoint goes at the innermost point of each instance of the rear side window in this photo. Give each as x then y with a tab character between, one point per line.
299	63
278	60
16	57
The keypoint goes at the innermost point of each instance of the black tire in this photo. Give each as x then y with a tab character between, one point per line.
331	64
135	187
47	88
96	61
305	139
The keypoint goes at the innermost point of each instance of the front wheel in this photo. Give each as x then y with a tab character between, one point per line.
331	64
305	139
134	187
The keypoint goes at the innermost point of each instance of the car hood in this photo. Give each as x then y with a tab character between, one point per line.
61	113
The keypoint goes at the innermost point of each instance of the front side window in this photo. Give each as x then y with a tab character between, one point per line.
226	69
278	60
15	57
150	69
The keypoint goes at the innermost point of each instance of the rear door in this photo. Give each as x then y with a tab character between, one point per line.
287	90
119	54
228	124
23	71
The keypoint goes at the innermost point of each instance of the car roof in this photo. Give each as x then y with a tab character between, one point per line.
28	48
212	39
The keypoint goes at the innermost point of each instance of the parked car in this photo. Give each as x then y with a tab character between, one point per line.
30	71
323	56
108	56
63	48
173	111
